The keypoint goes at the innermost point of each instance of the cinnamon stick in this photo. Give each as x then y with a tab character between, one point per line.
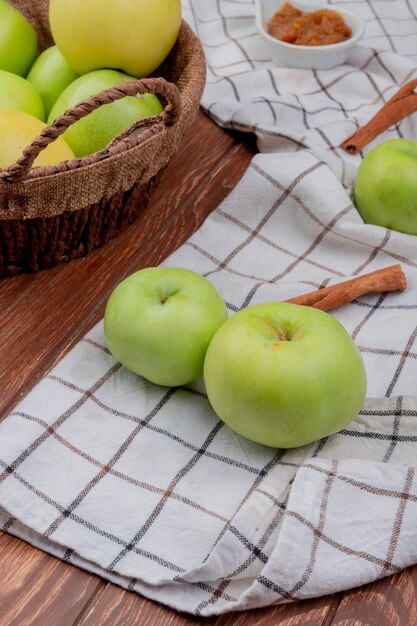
403	103
390	278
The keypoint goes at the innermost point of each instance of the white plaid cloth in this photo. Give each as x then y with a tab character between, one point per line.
144	485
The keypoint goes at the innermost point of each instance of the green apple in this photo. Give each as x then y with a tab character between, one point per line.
95	131
159	321
18	93
284	375
134	36
18	130
18	41
386	186
50	75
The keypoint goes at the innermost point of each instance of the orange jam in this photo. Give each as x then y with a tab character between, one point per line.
317	28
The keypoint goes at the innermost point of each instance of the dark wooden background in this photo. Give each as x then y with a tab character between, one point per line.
43	315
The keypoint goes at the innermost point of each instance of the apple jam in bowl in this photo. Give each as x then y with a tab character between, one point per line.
307	36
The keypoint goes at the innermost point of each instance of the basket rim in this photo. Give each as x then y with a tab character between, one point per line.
55	190
23	168
131	138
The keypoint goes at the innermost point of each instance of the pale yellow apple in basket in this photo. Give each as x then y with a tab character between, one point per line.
133	36
18	130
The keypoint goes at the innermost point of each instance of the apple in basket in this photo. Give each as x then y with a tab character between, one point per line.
134	36
18	130
159	321
18	41
18	93
386	186
50	75
95	131
284	375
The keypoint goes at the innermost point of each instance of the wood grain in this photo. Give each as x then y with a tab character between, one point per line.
387	602
43	315
115	607
37	590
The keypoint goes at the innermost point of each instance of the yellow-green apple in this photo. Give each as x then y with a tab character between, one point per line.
284	375
386	186
159	321
18	130
18	93
18	41
95	131
50	75
133	36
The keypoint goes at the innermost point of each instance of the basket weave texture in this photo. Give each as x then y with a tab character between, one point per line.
56	213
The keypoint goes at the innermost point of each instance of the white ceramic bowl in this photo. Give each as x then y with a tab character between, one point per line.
307	57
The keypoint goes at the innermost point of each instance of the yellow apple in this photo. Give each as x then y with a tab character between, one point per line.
133	36
18	130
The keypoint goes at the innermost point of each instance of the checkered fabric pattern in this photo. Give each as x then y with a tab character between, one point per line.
144	485
293	110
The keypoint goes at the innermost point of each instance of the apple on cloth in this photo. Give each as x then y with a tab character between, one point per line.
159	322
385	187
284	375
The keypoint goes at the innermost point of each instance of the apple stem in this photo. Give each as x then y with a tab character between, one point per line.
390	278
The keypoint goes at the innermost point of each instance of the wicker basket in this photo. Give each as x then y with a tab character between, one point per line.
53	214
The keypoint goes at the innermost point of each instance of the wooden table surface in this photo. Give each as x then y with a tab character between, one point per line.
43	315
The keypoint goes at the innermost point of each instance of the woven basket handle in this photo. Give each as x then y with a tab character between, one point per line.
19	170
